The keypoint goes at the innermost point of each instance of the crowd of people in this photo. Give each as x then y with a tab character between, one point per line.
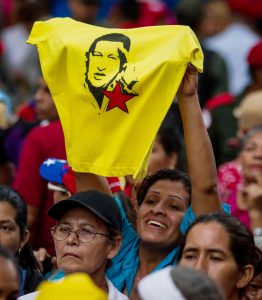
190	229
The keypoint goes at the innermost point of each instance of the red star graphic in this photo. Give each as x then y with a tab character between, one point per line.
117	98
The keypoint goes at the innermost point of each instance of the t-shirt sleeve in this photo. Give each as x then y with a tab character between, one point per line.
190	49
128	234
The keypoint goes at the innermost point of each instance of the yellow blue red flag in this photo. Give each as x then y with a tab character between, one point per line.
112	88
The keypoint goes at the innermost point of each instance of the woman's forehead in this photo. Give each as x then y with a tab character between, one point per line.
7	210
81	215
170	188
209	234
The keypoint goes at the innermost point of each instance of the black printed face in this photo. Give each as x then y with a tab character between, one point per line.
109	76
104	63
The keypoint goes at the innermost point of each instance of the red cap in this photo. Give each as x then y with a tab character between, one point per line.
251	8
219	100
254	57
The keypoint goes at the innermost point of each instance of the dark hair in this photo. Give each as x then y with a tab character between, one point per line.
112	37
128	207
170	136
12	197
190	13
166	174
130	9
242	243
201	286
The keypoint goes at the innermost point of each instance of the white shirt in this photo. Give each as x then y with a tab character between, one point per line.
113	293
234	44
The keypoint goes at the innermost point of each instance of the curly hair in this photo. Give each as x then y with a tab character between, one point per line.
166	174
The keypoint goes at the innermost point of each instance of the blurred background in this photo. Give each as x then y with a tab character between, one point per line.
229	31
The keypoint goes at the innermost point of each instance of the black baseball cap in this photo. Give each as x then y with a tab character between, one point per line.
100	204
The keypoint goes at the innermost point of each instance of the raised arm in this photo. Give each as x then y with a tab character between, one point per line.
89	181
199	152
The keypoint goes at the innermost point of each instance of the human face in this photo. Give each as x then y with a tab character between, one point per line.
45	106
83	11
161	212
9	286
159	159
251	157
207	249
75	256
104	65
9	230
254	290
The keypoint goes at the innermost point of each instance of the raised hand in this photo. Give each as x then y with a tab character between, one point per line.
188	86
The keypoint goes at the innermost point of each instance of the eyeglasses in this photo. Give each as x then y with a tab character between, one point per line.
85	235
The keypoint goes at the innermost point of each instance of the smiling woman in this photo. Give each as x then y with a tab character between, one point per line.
163	200
166	203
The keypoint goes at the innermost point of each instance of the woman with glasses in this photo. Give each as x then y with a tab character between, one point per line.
87	236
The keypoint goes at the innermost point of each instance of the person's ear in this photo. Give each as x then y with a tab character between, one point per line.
173	158
114	247
24	239
245	276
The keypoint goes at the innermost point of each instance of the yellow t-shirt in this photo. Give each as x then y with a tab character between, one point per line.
112	88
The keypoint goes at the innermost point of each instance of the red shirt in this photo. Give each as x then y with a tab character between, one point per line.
41	143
